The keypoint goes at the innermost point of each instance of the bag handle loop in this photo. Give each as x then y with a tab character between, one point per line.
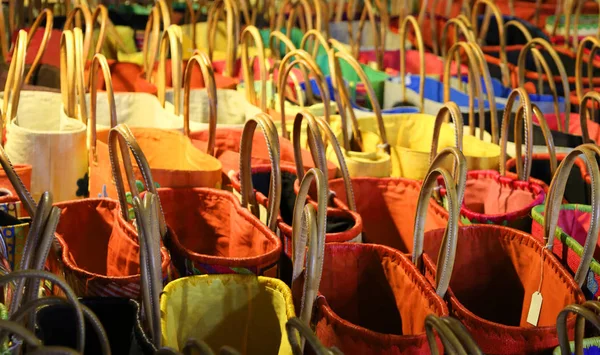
453	334
578	9
275	38
523	116
379	34
80	80
67	72
170	41
288	62
410	20
449	109
525	32
302	6
267	126
14	82
561	324
581	52
45	14
122	137
252	33
320	40
561	69
99	62
448	250
583	113
295	325
233	29
554	201
305	216
89	25
208	75
461	23
151	39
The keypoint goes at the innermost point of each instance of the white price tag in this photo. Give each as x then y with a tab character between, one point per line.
535	309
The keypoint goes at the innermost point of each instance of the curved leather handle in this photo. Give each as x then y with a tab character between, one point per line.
89	25
575	25
341	92
320	40
80	80
193	20
525	32
378	33
233	30
410	20
295	325
295	7
583	113
151	39
304	216
14	82
288	62
450	341
165	12
462	24
170	41
581	52
3	37
147	215
99	62
67	72
122	136
491	6
208	75
447	252
251	33
277	37
247	190
561	69
547	138
450	109
45	14
523	168
100	15
58	281
554	201
561	325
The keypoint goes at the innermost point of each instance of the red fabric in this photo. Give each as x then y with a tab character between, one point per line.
51	55
100	250
434	65
496	271
525	9
373	300
24	173
574	125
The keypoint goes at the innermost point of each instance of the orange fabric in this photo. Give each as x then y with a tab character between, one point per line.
24	173
100	250
496	271
173	159
373	301
210	227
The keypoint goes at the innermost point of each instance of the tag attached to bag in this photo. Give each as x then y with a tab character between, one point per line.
535	308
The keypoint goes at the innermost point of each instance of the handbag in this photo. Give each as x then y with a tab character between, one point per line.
40	127
580	345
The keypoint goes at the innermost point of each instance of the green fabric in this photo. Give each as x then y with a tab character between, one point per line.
566	239
296	38
588	344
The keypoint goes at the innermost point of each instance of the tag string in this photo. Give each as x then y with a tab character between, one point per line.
542	267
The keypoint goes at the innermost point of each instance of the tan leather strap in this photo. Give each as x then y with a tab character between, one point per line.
448	250
14	82
305	216
147	214
170	42
595	42
378	34
450	109
193	19
122	136
554	201
547	133
583	113
561	69
99	62
322	17
292	9
208	75
100	15
299	57
450	340
320	40
343	97
315	140
165	12
525	32
491	6
295	326
563	334
3	37
67	72
233	32
277	37
578	9
89	26
246	187
251	33
80	80
460	23
523	168
151	39
410	20
47	14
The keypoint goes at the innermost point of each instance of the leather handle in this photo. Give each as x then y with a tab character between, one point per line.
45	14
578	9
561	325
100	15
320	40
410	20
525	32
526	117
378	33
80	80
455	337
277	37
299	57
247	190
561	69
122	136
296	328
208	75
3	37
461	23
302	7
99	62
491	6
554	201
67	72
583	113
170	42
151	39
233	30
448	249
342	92
193	20
581	53
305	220
251	33
449	109
147	216
89	26
14	82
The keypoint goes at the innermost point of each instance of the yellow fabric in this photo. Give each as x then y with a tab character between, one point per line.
410	137
245	312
